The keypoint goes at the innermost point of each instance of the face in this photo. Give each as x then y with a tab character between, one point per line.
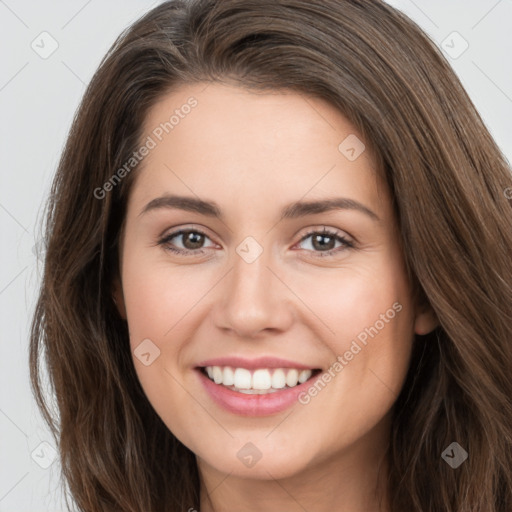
302	315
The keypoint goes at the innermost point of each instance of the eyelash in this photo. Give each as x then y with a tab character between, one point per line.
197	252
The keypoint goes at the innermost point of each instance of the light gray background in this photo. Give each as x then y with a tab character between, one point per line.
38	98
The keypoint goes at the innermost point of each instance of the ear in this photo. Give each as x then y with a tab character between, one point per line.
426	320
118	297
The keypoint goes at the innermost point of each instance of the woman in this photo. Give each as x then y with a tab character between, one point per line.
208	348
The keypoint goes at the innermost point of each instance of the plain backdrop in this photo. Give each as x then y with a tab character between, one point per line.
49	52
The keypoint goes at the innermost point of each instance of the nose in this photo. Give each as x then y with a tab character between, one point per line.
254	298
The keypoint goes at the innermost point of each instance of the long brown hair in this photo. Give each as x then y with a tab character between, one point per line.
448	181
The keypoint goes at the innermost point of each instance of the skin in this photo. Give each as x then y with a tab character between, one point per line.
253	153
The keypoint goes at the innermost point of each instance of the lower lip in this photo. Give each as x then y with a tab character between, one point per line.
253	405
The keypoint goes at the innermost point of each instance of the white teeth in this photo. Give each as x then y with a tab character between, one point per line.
260	381
278	379
292	377
242	378
228	378
217	374
256	391
304	375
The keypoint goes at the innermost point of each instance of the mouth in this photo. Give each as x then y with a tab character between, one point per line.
261	387
258	381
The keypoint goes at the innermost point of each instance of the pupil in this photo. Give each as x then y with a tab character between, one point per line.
322	245
189	238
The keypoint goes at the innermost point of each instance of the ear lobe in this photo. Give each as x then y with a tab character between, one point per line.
426	320
118	297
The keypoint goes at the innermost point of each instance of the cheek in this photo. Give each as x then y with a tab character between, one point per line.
158	296
366	319
374	333
158	299
163	304
349	299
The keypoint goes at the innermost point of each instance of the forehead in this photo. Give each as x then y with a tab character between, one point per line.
234	142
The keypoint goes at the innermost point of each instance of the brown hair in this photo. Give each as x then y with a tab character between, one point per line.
448	181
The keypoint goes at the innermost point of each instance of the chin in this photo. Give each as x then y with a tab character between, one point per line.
258	460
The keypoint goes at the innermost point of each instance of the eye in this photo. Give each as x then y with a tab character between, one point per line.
191	239
323	242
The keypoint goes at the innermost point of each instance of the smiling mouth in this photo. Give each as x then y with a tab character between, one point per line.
259	381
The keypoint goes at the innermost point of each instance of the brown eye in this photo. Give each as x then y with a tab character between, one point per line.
192	241
324	242
321	242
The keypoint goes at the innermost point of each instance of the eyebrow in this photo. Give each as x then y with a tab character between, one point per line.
290	211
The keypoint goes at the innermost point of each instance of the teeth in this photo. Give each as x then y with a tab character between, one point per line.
217	374
228	377
242	378
278	379
304	376
260	381
255	391
292	377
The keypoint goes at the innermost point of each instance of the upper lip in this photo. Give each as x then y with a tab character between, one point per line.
259	362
